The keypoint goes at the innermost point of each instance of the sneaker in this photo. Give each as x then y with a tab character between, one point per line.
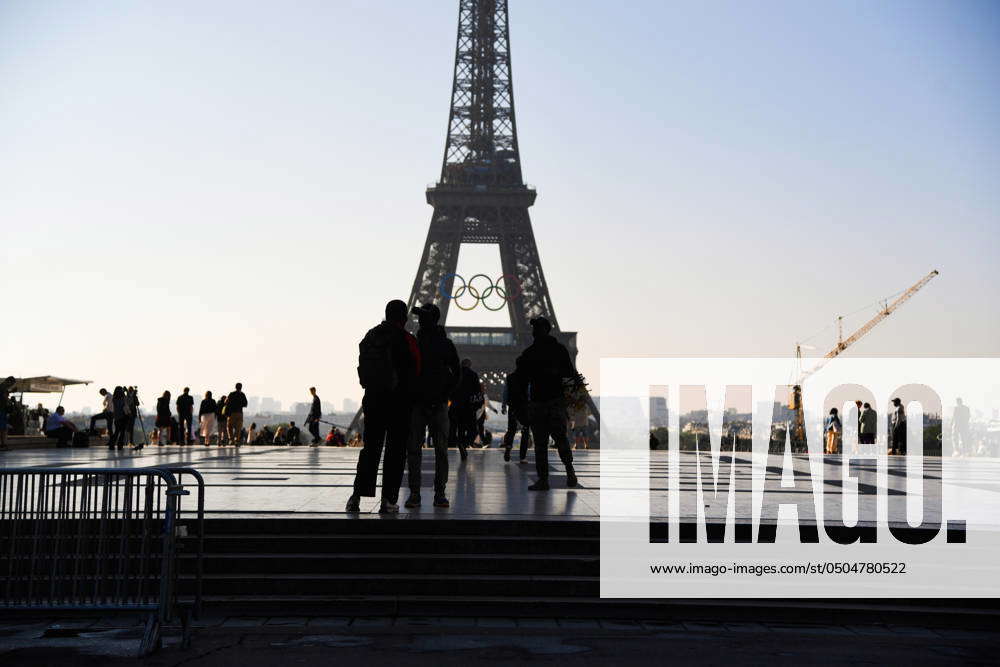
413	500
540	485
506	455
523	460
571	480
441	501
388	508
353	504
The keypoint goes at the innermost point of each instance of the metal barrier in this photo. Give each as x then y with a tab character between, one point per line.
99	539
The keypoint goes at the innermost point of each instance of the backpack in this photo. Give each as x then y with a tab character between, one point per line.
376	370
517	398
80	439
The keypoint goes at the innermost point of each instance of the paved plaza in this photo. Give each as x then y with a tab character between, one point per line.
315	481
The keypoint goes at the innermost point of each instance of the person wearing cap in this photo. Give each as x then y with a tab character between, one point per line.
543	366
439	374
897	430
388	364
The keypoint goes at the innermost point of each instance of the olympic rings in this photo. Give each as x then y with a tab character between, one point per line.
503	287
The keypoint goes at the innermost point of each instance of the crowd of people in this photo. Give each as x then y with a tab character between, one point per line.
417	391
867	428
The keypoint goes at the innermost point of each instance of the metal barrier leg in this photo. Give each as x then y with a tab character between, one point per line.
185	614
151	640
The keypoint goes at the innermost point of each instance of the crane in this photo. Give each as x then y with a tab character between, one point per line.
795	400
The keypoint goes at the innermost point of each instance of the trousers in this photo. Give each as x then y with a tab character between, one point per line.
549	420
387	427
435	419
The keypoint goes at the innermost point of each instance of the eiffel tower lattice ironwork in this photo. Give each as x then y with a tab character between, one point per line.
481	197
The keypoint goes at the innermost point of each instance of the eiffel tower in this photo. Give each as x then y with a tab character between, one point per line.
481	197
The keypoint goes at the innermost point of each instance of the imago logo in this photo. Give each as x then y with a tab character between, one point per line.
718	478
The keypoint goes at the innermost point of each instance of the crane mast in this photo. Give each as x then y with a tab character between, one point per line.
795	402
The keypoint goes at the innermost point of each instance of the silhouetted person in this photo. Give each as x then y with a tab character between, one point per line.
312	420
119	410
163	417
388	363
544	365
463	408
481	410
185	415
960	428
858	406
132	410
654	442
206	418
60	428
867	428
514	394
439	373
293	436
221	420
832	429
106	414
898	428
234	413
5	386
335	438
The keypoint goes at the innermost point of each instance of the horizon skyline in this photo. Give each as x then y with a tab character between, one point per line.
754	166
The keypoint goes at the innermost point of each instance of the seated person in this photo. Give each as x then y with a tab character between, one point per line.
293	436
60	428
279	435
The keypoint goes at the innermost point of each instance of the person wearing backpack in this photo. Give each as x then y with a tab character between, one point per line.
388	365
439	373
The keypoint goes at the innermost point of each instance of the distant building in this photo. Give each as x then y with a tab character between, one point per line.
269	405
350	405
657	411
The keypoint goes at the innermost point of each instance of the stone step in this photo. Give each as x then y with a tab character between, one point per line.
360	584
400	525
418	543
470	565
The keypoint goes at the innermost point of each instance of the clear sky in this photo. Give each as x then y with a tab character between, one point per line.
195	193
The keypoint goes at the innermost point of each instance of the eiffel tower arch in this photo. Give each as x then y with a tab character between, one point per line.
481	198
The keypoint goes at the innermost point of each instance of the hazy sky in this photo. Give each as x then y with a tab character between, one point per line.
203	192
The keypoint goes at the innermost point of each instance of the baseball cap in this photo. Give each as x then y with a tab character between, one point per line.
427	309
